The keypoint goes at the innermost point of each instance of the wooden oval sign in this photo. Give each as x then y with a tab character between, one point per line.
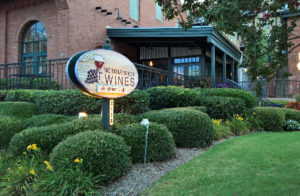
103	73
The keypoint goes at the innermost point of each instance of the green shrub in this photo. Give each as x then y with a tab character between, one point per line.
199	108
45	120
270	119
8	127
171	97
161	145
221	107
21	95
238	125
190	128
2	95
66	102
291	114
291	125
284	103
18	109
48	137
102	153
248	98
221	131
135	103
297	97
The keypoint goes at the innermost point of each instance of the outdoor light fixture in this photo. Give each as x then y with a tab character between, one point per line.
151	64
103	10
98	8
245	70
82	115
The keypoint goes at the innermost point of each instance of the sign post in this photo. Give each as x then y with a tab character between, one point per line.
103	74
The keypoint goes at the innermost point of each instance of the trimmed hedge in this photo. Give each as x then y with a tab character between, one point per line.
45	120
161	146
171	97
102	153
21	95
198	108
48	137
190	128
135	103
18	109
9	126
270	119
221	107
291	114
249	99
66	102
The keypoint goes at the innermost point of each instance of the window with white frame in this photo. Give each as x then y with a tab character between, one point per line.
135	9
159	13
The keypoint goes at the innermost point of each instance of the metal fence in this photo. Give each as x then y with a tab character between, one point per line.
275	88
50	74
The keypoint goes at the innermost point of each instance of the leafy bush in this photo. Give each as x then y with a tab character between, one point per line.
171	97
281	102
291	114
291	125
270	119
8	127
199	108
45	120
221	107
2	95
135	103
26	83
66	102
18	109
68	181
21	95
161	145
102	153
297	97
221	130
247	97
48	137
190	128
238	125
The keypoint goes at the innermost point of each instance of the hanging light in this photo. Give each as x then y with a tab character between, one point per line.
151	64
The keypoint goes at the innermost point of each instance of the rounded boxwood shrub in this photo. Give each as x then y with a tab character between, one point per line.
102	153
291	114
21	95
48	137
45	120
161	144
248	98
135	103
18	109
171	96
8	127
190	128
270	119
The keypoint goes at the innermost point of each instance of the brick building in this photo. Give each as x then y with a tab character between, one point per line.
36	30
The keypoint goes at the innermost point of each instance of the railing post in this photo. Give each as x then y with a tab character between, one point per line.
49	75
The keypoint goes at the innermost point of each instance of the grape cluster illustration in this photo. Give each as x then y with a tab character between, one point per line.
92	76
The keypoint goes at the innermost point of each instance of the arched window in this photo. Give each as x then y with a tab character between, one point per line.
34	48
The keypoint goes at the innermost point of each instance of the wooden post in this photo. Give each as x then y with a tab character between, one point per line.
232	70
213	65
224	68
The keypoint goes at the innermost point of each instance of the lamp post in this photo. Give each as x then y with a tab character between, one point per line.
146	123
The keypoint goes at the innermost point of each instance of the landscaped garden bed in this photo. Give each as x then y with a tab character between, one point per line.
45	148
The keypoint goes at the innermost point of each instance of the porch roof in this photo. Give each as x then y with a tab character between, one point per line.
174	36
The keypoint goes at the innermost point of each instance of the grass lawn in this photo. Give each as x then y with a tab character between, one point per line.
256	164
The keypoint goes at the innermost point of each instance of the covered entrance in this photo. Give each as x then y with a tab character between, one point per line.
197	53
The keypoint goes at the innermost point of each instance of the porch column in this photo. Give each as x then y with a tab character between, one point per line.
232	70
202	62
170	77
224	67
213	65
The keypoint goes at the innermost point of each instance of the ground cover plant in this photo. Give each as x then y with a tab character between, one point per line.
262	163
18	109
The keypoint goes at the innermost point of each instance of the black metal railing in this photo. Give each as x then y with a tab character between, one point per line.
50	74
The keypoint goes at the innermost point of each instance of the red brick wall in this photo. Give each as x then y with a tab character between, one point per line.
71	26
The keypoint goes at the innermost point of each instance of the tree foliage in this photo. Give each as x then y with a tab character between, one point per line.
265	52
